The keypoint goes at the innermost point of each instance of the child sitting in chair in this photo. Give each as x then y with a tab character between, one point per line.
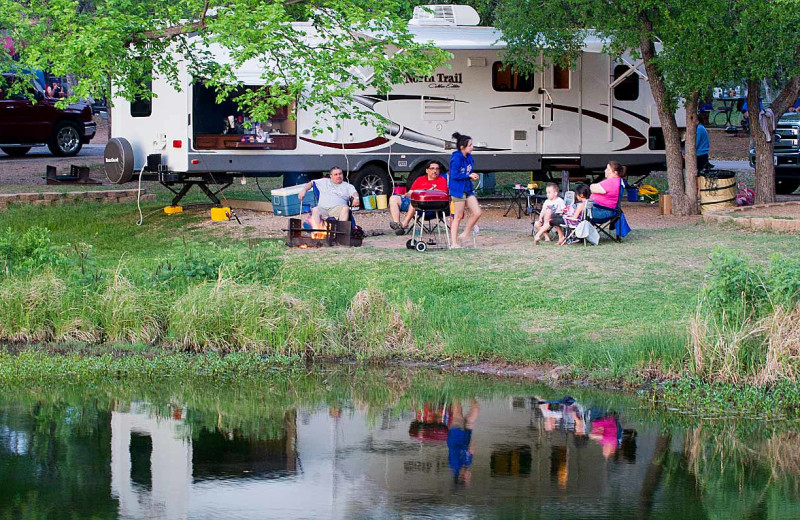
554	204
573	214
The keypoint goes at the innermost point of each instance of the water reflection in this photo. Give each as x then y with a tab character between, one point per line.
343	445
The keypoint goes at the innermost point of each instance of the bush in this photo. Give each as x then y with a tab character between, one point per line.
29	251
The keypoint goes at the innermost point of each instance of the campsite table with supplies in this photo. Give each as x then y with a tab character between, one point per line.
519	200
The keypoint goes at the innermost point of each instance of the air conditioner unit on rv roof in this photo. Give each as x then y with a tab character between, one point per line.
445	15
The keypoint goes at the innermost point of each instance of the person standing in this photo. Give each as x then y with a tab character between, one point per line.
702	145
462	193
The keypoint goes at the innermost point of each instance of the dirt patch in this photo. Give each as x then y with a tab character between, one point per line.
728	147
496	231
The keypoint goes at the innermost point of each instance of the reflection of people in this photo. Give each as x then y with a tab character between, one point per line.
459	438
334	196
430	181
462	193
608	432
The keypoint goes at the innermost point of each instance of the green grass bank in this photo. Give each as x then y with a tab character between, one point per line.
87	274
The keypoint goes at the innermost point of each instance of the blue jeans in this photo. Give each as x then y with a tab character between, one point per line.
602	213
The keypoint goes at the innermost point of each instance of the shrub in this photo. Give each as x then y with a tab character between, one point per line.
29	251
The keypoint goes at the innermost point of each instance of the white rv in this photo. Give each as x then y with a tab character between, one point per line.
559	119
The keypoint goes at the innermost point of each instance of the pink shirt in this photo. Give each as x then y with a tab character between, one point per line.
611	196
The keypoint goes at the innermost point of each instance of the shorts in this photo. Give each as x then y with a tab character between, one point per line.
462	198
335	211
405	202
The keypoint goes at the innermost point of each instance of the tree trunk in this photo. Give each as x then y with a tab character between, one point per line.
690	157
681	203
765	171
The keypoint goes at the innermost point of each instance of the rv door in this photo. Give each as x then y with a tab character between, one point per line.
560	121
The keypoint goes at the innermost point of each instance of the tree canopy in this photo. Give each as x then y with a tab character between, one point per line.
339	47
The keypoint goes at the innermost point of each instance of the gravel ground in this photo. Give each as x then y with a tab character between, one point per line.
30	169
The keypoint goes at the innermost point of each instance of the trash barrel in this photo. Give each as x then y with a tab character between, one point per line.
717	190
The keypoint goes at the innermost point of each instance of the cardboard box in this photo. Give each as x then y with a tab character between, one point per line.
665	204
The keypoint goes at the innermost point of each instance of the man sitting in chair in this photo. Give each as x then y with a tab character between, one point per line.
430	181
334	196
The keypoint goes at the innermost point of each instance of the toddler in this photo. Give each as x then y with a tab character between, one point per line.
554	204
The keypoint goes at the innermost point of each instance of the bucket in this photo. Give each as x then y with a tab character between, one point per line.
633	193
717	191
382	201
369	202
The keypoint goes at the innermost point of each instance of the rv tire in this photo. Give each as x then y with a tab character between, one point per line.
372	180
118	160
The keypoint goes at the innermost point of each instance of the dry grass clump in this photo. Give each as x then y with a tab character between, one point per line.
782	335
760	352
374	328
229	316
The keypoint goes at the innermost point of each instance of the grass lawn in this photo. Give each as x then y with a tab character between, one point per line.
615	308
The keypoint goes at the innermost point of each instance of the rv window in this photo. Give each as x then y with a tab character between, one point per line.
506	79
628	90
561	77
141	106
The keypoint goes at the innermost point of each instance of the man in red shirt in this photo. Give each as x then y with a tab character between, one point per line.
430	181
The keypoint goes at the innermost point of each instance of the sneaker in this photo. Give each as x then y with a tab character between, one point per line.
395	225
399	230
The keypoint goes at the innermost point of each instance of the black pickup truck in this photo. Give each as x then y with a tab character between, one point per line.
786	154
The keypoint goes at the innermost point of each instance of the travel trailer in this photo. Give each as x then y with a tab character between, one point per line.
560	119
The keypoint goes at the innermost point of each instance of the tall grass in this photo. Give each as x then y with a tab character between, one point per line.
745	329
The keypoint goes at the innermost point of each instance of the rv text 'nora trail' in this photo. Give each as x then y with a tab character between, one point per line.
560	118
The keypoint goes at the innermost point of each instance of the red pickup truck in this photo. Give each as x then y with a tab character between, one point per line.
25	123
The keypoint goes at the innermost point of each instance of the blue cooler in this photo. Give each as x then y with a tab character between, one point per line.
286	203
633	193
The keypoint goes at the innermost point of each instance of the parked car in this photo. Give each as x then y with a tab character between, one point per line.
25	123
786	154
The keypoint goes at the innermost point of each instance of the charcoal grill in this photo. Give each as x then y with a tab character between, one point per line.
430	220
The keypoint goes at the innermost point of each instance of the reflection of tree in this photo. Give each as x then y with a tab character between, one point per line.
652	479
59	462
739	473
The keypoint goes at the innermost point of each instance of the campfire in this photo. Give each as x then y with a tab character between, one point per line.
335	233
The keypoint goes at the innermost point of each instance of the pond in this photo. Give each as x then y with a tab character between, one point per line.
347	442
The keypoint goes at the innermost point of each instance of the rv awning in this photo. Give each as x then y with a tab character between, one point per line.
477	38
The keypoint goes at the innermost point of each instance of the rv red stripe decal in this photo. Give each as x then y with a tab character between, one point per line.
377	141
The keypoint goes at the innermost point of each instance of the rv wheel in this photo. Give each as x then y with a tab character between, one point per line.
372	180
118	160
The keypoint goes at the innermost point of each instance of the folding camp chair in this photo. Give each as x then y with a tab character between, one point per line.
605	224
569	199
570	228
316	200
